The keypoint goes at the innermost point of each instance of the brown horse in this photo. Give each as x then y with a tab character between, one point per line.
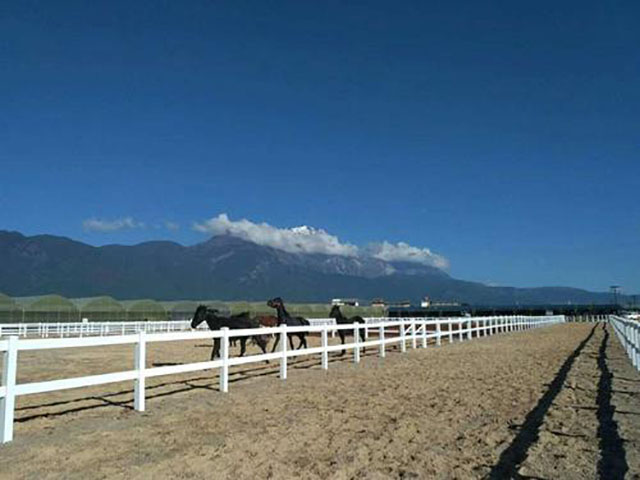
267	320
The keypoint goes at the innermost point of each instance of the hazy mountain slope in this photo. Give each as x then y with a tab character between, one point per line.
228	268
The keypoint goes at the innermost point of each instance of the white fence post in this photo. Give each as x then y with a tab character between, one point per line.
403	338
283	350
8	402
356	340
469	329
414	338
438	332
381	337
224	356
636	345
140	365
325	344
424	334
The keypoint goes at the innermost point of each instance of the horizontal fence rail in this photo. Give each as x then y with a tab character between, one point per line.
380	333
587	318
628	332
84	329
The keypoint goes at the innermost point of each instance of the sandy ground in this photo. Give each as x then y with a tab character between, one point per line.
558	402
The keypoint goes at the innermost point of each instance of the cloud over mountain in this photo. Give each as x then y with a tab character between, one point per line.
294	240
98	225
306	239
403	252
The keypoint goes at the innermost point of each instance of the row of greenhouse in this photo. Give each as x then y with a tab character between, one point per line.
55	308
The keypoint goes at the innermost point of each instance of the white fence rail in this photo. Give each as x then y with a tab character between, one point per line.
85	329
416	331
628	332
88	329
587	318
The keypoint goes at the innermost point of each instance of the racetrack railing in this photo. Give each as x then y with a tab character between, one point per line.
628	332
415	331
88	329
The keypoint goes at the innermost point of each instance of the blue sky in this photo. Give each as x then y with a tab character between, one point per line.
503	136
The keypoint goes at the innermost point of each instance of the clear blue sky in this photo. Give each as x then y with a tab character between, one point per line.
502	135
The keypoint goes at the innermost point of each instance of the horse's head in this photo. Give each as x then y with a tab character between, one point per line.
199	316
335	311
275	302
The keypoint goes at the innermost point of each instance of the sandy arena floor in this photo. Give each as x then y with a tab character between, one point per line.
559	402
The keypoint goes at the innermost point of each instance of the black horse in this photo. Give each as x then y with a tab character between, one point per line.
342	320
210	315
284	317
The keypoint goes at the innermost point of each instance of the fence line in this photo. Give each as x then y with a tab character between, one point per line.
587	318
628	332
415	330
86	329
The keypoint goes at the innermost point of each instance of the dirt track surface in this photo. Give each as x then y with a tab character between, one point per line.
557	402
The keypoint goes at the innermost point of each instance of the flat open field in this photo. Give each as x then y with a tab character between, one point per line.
556	402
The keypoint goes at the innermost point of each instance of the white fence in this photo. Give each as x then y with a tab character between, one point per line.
89	329
628	332
587	318
86	329
416	331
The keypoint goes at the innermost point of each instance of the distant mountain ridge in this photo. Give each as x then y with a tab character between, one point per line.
229	268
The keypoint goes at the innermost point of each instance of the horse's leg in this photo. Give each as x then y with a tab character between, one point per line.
304	339
275	344
291	341
341	333
262	343
364	349
216	348
243	345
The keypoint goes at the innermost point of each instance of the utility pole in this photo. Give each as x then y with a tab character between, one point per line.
614	290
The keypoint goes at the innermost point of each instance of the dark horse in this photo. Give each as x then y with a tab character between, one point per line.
284	317
342	320
210	315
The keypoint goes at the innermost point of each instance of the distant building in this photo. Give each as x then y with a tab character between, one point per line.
445	304
402	304
353	302
428	303
378	302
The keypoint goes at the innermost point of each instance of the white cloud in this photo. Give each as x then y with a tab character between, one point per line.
173	226
296	240
403	252
310	240
98	225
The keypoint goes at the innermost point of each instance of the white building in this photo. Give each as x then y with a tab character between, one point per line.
354	302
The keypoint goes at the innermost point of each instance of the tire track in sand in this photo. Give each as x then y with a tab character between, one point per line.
515	454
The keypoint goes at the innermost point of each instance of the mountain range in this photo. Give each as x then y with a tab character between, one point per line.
229	268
